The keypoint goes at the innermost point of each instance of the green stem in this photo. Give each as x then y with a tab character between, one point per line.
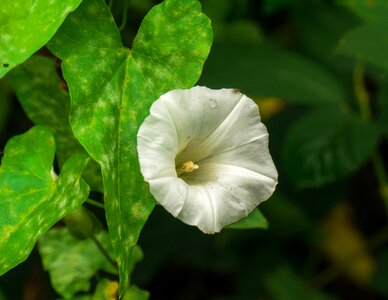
124	18
103	251
363	100
95	203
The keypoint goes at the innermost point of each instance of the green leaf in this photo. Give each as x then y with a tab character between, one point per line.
46	103
285	284
265	71
366	44
254	220
32	199
112	89
134	293
326	145
320	28
70	262
373	11
27	25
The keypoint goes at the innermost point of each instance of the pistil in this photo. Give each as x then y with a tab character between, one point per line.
187	167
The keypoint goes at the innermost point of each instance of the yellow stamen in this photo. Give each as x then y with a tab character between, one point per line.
189	166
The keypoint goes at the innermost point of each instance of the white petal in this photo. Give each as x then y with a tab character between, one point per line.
241	126
157	143
197	112
221	132
229	192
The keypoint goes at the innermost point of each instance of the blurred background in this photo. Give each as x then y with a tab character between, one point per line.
317	71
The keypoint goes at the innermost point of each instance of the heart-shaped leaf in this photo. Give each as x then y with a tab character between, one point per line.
27	25
32	199
112	89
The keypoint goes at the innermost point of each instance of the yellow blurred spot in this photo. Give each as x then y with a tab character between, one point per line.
269	106
345	245
111	289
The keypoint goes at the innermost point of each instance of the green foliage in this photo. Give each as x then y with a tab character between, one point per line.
309	64
254	220
134	293
27	25
365	43
285	284
46	103
271	72
32	199
72	263
112	89
270	6
326	145
375	10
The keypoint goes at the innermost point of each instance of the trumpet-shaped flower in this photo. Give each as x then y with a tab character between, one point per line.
205	156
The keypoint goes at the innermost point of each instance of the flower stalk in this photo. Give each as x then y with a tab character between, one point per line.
363	100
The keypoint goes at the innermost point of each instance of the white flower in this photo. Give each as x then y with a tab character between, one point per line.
205	156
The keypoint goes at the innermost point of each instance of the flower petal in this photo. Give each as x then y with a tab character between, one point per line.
157	143
232	193
219	131
197	112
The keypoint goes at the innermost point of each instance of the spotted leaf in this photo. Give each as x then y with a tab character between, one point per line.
46	103
27	25
32	198
112	89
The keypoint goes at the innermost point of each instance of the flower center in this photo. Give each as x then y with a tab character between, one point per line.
187	167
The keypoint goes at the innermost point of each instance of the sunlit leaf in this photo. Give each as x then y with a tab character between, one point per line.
112	89
265	71
254	220
326	145
46	102
32	199
27	25
70	262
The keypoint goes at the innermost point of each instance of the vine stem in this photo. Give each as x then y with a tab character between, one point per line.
95	203
124	16
363	100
